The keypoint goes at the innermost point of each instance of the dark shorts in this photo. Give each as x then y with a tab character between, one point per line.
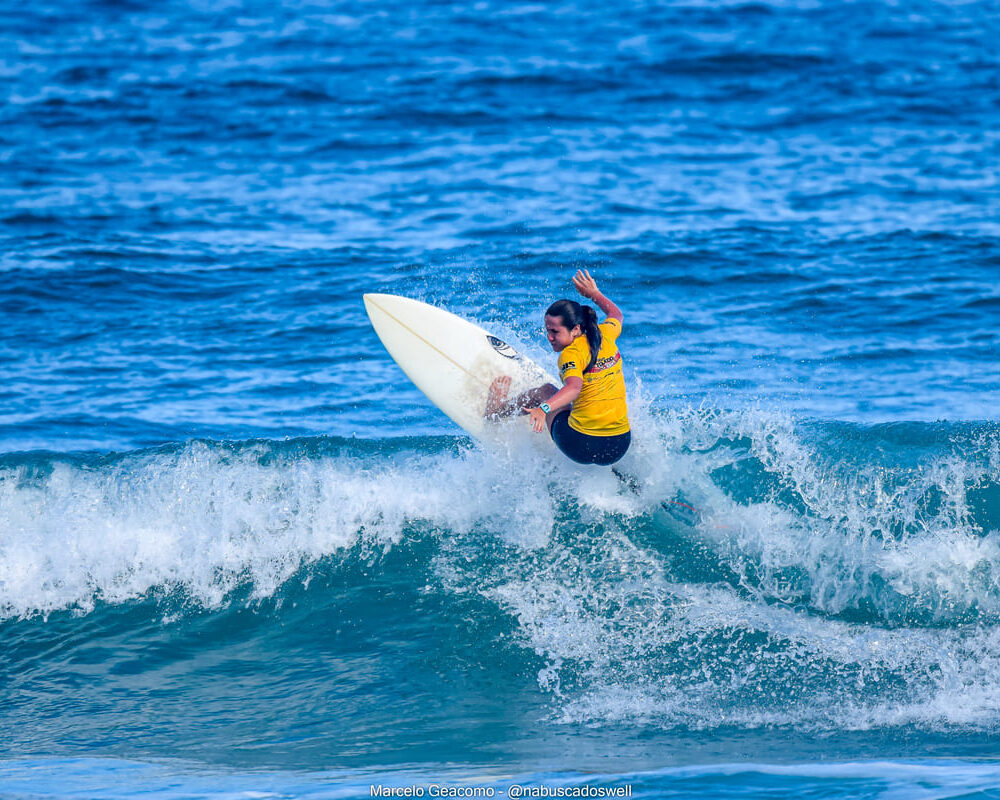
584	449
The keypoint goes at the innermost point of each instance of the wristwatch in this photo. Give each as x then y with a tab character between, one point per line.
545	407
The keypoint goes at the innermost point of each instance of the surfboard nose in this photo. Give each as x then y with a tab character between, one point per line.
378	299
371	300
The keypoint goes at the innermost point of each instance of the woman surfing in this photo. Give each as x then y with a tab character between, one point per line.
588	417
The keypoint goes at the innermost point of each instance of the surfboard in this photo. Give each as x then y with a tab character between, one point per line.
450	359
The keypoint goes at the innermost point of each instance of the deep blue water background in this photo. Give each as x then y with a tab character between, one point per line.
239	552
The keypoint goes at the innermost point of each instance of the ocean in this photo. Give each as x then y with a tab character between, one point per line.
241	556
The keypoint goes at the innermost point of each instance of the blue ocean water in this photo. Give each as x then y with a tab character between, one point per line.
241	556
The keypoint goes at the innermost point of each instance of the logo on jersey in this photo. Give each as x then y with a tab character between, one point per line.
606	363
501	347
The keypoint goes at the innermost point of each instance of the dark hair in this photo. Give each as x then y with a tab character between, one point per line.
573	314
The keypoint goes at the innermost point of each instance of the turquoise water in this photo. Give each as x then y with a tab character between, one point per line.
240	555
323	609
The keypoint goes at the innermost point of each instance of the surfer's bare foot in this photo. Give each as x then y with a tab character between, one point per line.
497	396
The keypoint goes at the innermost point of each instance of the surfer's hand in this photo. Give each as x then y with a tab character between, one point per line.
537	419
496	396
585	285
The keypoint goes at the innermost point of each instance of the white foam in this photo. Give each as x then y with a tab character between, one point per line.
842	535
623	640
561	550
207	519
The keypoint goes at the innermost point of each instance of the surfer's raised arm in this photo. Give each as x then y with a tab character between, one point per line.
587	286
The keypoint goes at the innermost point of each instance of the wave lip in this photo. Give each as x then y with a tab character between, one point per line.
207	519
202	518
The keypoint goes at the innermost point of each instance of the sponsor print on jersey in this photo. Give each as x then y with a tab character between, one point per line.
605	363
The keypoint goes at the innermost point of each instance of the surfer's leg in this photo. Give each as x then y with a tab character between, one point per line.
630	482
584	448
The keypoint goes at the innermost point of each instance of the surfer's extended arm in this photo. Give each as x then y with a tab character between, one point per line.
562	399
587	286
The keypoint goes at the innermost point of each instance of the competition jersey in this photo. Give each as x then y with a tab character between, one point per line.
600	410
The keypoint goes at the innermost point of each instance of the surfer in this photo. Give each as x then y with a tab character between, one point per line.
588	417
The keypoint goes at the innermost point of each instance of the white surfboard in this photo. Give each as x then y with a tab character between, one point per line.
450	359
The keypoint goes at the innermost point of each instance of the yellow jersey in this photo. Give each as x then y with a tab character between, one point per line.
600	410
